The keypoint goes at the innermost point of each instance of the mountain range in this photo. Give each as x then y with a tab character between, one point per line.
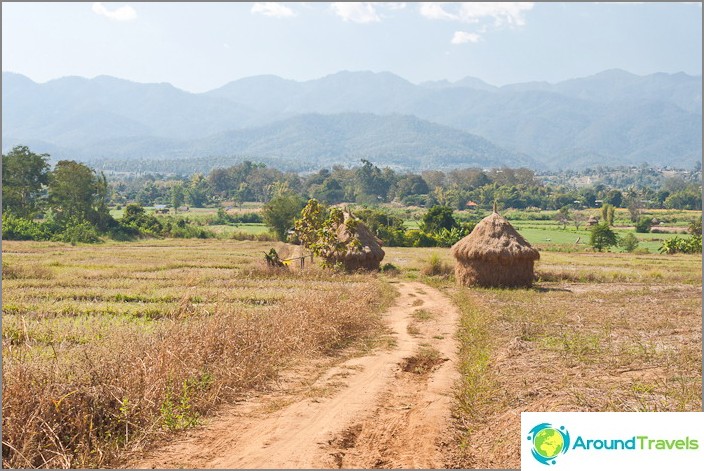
612	118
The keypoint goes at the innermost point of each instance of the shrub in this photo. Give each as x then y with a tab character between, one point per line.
682	245
602	237
644	224
16	228
78	231
629	242
390	269
417	238
436	267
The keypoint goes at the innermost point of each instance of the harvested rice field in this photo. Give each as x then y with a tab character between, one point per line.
188	353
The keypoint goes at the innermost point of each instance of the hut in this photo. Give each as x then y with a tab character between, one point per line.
494	254
592	221
365	255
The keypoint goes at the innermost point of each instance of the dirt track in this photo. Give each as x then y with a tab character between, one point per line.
389	409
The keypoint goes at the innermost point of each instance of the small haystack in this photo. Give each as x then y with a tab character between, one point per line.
368	253
494	254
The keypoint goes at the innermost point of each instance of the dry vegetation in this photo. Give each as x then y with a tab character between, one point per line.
597	332
106	348
589	346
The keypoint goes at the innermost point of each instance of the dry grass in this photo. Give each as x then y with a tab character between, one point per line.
435	266
589	345
130	342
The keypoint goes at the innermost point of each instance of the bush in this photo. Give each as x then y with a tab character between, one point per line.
16	228
436	267
602	237
390	269
629	242
416	238
225	219
136	218
78	231
682	245
644	224
437	218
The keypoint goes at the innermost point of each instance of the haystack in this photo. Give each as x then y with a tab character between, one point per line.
494	254
367	255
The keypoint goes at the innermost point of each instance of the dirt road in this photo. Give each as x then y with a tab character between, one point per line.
389	409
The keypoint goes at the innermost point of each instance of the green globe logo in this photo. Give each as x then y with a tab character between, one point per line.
548	442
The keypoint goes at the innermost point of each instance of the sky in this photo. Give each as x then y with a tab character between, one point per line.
201	46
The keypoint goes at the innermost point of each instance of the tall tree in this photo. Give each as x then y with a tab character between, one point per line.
282	209
437	218
77	193
24	176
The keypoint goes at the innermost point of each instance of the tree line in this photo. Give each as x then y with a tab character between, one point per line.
368	184
69	203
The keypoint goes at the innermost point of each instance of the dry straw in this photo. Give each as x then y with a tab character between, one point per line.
368	255
494	254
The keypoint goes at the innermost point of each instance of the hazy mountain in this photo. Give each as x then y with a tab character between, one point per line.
72	110
315	140
613	117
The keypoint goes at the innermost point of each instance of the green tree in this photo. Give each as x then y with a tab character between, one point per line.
330	191
77	193
197	191
317	231
602	237
24	176
282	209
372	183
629	242
411	185
178	196
614	198
563	216
643	225
607	213
437	218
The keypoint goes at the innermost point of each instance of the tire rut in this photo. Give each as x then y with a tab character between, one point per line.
389	409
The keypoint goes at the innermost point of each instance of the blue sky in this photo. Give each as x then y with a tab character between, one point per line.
201	46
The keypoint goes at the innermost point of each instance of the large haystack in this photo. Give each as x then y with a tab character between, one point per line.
494	254
367	254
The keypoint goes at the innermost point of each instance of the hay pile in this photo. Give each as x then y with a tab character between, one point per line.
494	255
365	253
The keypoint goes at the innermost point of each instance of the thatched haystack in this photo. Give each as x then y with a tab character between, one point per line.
494	255
365	253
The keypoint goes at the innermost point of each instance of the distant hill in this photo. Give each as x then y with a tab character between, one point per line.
613	117
312	141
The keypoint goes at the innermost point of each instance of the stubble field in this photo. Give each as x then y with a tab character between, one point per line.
110	348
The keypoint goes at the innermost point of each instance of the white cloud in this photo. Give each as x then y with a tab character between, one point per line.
461	37
124	13
435	11
473	12
357	12
272	9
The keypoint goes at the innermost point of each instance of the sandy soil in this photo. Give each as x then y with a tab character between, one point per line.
389	409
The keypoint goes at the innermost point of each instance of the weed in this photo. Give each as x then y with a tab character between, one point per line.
436	267
422	315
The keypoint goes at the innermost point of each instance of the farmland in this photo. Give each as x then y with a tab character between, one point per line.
108	346
112	348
